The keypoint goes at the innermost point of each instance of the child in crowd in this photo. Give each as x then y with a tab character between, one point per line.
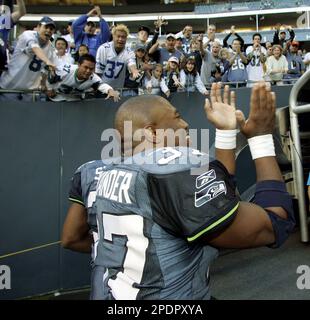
153	85
82	50
194	51
220	73
190	78
171	80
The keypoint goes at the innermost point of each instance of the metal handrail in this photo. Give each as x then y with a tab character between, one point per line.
237	83
296	153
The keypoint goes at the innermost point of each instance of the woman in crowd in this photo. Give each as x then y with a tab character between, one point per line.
190	79
276	65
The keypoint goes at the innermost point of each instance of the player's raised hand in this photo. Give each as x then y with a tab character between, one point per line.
113	94
261	119
221	111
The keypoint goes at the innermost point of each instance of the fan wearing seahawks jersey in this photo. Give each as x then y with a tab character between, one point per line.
256	55
71	82
237	71
33	52
113	58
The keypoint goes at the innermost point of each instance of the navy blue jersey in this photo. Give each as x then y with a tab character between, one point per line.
153	220
83	192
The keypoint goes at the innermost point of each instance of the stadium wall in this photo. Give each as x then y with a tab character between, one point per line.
42	144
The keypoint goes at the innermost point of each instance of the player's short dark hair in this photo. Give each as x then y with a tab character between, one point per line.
257	34
62	39
87	57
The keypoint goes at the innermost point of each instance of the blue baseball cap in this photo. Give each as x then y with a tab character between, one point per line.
47	21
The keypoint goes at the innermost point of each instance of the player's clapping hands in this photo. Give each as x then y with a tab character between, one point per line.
221	111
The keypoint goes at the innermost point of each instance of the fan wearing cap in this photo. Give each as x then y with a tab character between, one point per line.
132	85
33	52
84	31
144	33
8	20
70	37
296	66
280	35
171	79
162	55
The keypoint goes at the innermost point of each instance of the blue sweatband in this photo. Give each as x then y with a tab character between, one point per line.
272	193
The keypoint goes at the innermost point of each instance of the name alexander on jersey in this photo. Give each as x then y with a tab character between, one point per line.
114	185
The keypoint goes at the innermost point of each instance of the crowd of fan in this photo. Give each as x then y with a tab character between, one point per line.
96	60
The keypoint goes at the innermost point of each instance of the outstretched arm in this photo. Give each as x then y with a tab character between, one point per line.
20	11
271	219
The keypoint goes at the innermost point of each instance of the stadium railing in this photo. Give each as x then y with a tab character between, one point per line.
35	95
298	172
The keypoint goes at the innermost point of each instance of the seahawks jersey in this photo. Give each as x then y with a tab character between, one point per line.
112	66
24	68
153	220
83	192
255	66
69	88
237	71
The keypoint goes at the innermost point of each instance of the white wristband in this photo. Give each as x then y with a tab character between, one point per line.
262	146
226	139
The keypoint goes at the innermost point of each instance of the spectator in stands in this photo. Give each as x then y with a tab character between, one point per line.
113	58
144	33
195	51
186	37
237	66
63	58
179	44
280	36
268	45
210	38
34	51
269	51
224	62
69	37
233	32
71	82
276	65
296	66
153	85
162	55
8	20
307	60
216	75
84	31
171	79
82	49
256	55
131	87
190	79
210	59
